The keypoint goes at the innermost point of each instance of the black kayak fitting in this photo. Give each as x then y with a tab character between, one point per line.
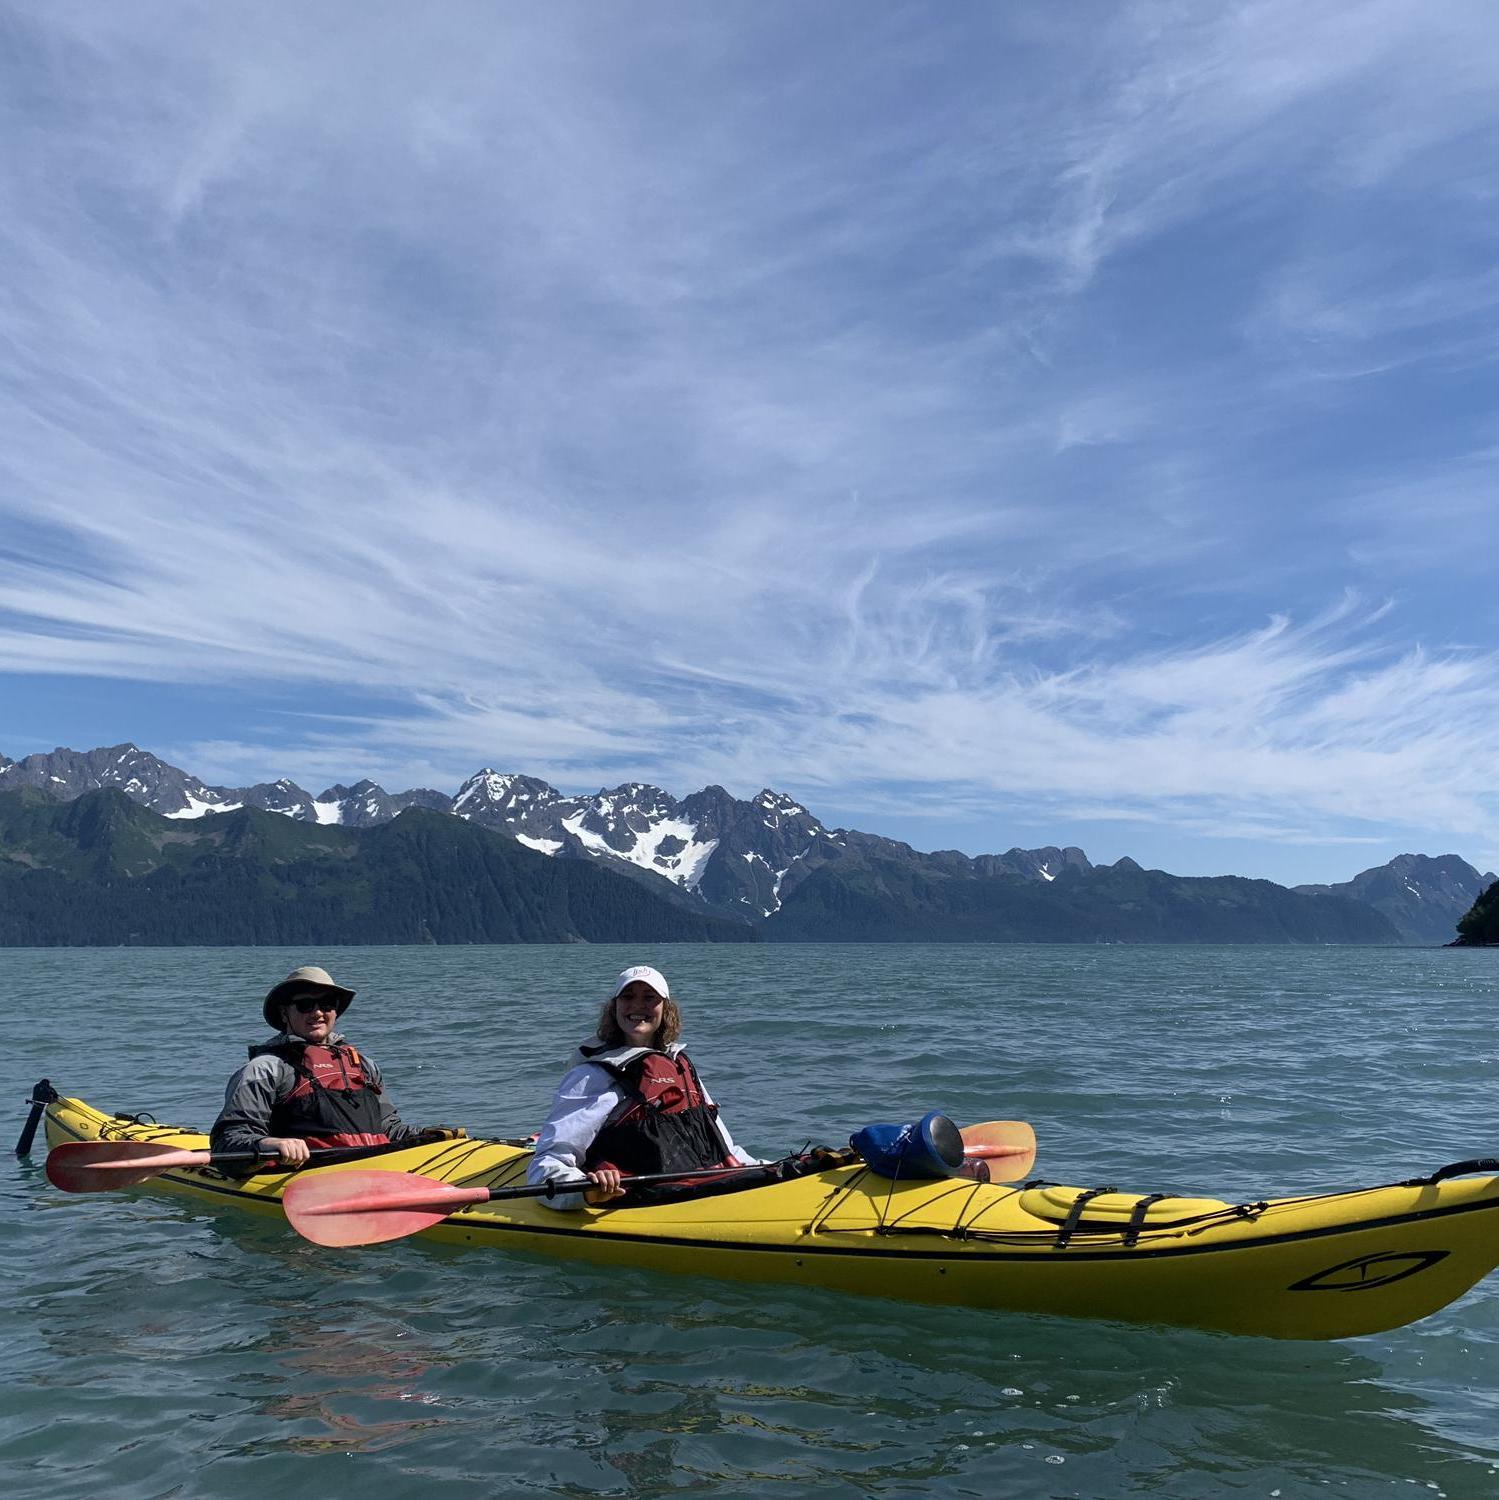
42	1094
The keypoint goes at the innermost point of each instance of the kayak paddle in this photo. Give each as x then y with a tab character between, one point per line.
99	1166
368	1207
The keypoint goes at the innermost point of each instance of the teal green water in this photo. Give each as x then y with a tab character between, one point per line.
155	1350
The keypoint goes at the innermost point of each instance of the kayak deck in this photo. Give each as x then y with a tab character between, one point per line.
1318	1267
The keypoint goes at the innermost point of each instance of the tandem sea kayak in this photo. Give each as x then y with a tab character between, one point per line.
1321	1266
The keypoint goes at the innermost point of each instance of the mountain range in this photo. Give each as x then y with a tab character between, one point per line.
763	867
104	870
1424	898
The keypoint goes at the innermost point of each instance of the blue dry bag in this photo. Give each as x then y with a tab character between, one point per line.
930	1147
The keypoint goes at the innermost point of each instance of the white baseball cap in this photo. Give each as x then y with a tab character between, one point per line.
646	975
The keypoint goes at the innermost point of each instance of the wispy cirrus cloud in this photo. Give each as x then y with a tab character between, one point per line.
982	428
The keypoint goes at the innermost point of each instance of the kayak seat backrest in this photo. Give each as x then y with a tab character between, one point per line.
1055	1205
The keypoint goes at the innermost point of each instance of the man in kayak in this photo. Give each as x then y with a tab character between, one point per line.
631	1104
307	1087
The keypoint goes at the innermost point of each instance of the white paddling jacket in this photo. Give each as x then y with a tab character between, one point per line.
586	1098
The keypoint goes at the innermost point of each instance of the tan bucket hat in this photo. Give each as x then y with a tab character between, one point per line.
298	983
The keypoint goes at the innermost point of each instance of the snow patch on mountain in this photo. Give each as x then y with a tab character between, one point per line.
686	868
542	846
780	875
669	846
196	808
486	786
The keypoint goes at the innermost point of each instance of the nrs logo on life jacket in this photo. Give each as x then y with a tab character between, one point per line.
664	1123
334	1102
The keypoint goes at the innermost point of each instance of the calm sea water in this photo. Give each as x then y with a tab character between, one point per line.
152	1349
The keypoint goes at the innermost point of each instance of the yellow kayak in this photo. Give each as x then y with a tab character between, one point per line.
1324	1266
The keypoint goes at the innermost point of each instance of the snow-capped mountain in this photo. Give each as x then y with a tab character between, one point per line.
504	801
761	849
707	850
365	804
744	857
693	844
66	774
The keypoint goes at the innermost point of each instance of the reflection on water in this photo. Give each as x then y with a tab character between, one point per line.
258	1345
145	1336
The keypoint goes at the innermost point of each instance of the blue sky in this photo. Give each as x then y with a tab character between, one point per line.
990	424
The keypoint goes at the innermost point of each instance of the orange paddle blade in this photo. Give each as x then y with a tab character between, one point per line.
366	1208
1006	1147
98	1166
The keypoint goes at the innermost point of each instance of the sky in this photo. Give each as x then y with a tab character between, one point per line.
990	425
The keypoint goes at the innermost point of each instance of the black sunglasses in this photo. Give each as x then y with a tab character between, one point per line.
306	1006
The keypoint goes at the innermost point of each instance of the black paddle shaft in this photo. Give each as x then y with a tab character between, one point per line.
583	1184
321	1156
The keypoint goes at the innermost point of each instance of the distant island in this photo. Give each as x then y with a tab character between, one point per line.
114	845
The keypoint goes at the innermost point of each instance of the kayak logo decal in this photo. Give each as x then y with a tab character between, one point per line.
1370	1271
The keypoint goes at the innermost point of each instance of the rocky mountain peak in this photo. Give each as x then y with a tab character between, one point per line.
1046	863
283	796
359	806
633	798
1422	895
68	774
780	803
495	798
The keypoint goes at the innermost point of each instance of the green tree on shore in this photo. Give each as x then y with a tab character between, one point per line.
1481	925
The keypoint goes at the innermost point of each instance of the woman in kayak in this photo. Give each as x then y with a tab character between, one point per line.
631	1103
307	1087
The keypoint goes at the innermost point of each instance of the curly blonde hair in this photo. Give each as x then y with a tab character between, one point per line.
609	1033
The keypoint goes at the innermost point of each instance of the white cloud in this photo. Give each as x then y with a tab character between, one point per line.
616	399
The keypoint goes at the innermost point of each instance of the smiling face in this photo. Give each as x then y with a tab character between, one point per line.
311	1017
637	1013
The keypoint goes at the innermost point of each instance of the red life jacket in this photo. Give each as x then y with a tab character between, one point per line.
664	1123
334	1102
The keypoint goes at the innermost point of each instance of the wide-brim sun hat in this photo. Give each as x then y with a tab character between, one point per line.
300	982
645	975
